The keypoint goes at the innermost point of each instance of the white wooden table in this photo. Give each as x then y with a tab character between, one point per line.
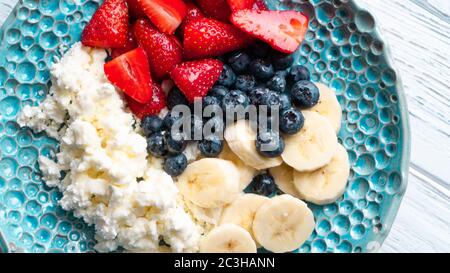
418	32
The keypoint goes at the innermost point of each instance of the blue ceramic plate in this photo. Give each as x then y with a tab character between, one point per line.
342	49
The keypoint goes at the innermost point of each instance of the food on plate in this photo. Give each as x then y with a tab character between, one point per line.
190	127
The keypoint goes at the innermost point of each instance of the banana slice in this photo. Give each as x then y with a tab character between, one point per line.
206	218
328	106
312	147
246	173
241	140
210	182
228	238
283	224
284	179
327	184
242	211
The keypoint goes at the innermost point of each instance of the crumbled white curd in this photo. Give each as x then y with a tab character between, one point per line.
109	182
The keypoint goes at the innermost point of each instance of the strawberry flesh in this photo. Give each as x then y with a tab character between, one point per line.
283	30
130	45
216	9
204	38
130	72
165	15
196	78
260	5
164	51
153	107
108	27
240	4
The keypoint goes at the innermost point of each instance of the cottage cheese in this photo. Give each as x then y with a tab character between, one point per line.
103	157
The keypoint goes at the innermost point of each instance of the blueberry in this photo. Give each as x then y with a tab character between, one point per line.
227	78
305	94
211	146
271	100
261	69
270	143
245	83
151	124
268	124
157	144
298	73
171	119
196	127
278	82
176	97
218	91
239	61
285	101
212	104
214	126
235	98
176	143
263	184
282	61
291	121
257	95
259	49
175	165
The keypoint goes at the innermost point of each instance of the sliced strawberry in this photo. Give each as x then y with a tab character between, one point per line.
134	9
240	4
164	51
165	15
193	13
130	45
283	30
108	27
260	5
216	9
196	78
153	107
204	38
131	73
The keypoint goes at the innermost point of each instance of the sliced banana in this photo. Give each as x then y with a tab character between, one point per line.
206	218
284	179
228	238
283	224
241	139
246	173
242	211
328	106
327	184
210	182
312	147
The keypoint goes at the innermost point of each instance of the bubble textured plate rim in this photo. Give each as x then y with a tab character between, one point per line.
30	38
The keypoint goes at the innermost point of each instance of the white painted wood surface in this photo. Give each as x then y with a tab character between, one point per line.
418	32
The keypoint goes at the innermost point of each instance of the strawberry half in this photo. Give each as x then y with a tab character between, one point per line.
108	27
134	9
164	51
204	38
283	30
196	78
240	4
165	15
216	9
153	107
130	72
193	13
130	45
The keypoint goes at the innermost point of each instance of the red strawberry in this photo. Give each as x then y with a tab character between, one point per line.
165	15
240	4
108	27
156	104
196	78
130	45
283	30
217	9
260	5
131	73
204	38
134	9
193	13
164	51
